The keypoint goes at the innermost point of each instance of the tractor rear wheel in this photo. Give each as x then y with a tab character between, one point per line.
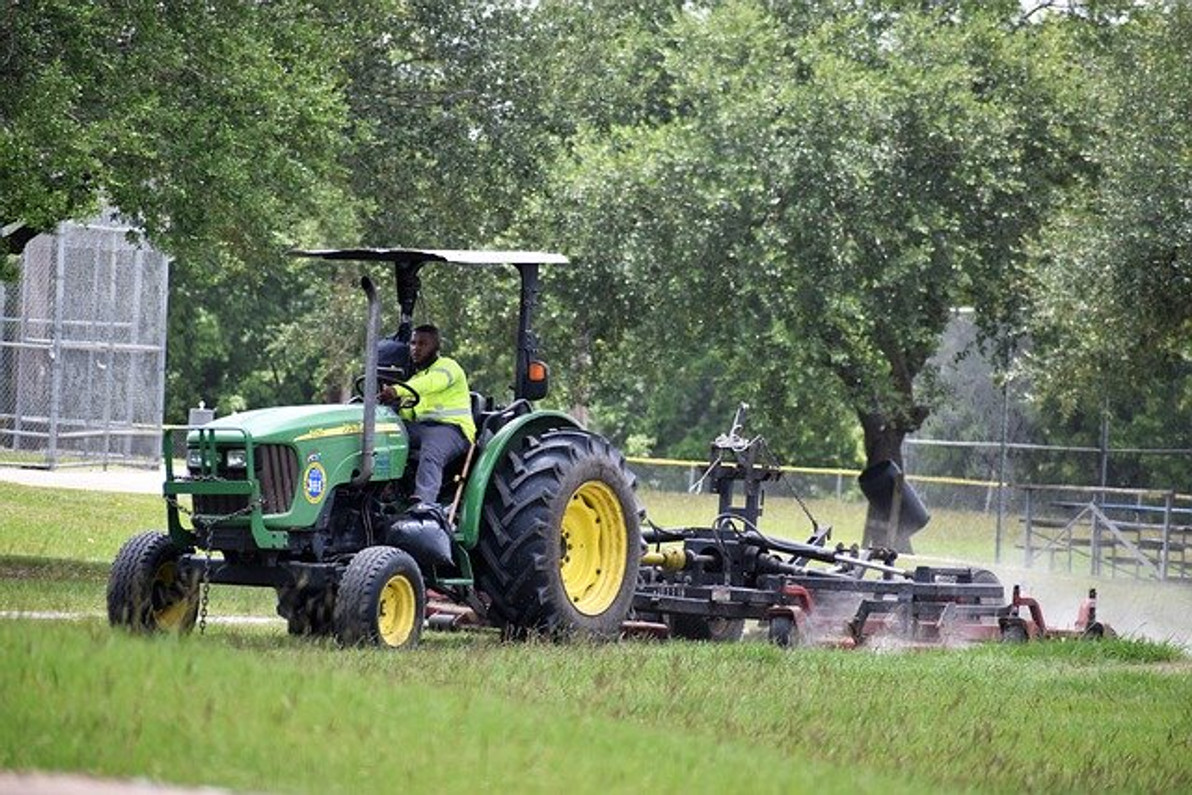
146	593
560	544
381	600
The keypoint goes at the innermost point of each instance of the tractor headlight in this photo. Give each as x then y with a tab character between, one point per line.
194	458
236	459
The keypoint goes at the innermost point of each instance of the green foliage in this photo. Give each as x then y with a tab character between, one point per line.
213	128
771	202
1116	308
219	130
818	201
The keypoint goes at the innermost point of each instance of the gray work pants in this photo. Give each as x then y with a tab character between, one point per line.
438	444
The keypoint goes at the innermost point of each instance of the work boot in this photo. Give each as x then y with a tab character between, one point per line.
430	510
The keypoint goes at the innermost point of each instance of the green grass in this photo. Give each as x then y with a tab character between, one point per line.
247	707
30	584
251	710
79	525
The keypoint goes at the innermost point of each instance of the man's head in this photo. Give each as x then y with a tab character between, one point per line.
424	345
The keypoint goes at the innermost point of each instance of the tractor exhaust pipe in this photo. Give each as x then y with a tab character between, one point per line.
371	333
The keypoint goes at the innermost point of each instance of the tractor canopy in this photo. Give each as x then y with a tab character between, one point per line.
419	256
531	378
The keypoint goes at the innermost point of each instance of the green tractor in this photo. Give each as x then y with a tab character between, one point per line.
314	501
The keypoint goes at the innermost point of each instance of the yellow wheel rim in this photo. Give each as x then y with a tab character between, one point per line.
396	610
170	605
593	549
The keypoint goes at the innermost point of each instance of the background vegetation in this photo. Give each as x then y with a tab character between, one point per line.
766	200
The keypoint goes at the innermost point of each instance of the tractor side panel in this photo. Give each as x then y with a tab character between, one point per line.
331	460
508	438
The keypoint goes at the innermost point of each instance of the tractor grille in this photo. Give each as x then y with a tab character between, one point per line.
276	468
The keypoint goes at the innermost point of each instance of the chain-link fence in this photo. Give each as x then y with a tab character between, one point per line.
82	350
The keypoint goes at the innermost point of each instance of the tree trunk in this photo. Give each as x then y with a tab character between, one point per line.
883	439
883	442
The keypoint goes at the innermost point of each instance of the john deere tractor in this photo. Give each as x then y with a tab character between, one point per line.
314	501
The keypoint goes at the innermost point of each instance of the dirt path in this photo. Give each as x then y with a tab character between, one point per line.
123	479
74	784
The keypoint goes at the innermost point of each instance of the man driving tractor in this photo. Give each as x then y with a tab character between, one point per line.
440	426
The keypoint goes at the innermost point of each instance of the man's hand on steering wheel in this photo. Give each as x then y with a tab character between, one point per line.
399	395
394	393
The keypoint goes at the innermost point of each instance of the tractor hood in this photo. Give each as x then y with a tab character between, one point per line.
304	423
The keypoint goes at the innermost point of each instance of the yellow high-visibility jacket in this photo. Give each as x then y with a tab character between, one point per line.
445	397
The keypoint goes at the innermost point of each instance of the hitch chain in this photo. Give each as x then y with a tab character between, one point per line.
205	581
208	527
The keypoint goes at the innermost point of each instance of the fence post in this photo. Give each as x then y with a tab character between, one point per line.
1001	473
56	362
1165	550
1030	508
1095	544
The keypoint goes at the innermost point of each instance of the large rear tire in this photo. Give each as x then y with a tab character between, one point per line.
560	542
381	600
145	590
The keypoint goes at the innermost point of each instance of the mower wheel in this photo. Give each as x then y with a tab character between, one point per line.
783	632
986	577
145	591
560	542
1013	632
307	611
381	600
709	628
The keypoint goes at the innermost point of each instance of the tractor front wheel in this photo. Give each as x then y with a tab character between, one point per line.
560	545
381	600
146	592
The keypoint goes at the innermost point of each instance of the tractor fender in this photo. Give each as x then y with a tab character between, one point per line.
468	531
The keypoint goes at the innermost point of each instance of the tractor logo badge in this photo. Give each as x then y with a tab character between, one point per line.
314	482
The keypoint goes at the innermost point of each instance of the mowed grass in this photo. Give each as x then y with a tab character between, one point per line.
66	523
249	710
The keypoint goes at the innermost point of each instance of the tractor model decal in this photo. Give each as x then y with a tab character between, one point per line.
348	429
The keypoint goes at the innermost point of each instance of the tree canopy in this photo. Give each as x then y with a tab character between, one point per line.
767	201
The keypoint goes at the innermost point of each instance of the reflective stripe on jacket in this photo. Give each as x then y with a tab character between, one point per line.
444	396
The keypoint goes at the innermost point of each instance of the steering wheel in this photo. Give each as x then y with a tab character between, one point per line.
407	396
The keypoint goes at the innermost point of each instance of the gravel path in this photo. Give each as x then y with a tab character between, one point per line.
73	784
125	479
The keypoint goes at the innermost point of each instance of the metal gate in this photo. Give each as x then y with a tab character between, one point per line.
82	350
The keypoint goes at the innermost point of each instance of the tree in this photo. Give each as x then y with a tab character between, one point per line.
219	129
213	127
824	195
1114	314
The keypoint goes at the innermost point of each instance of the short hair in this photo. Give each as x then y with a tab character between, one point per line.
427	328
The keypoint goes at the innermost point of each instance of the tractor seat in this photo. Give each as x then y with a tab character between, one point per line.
489	422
